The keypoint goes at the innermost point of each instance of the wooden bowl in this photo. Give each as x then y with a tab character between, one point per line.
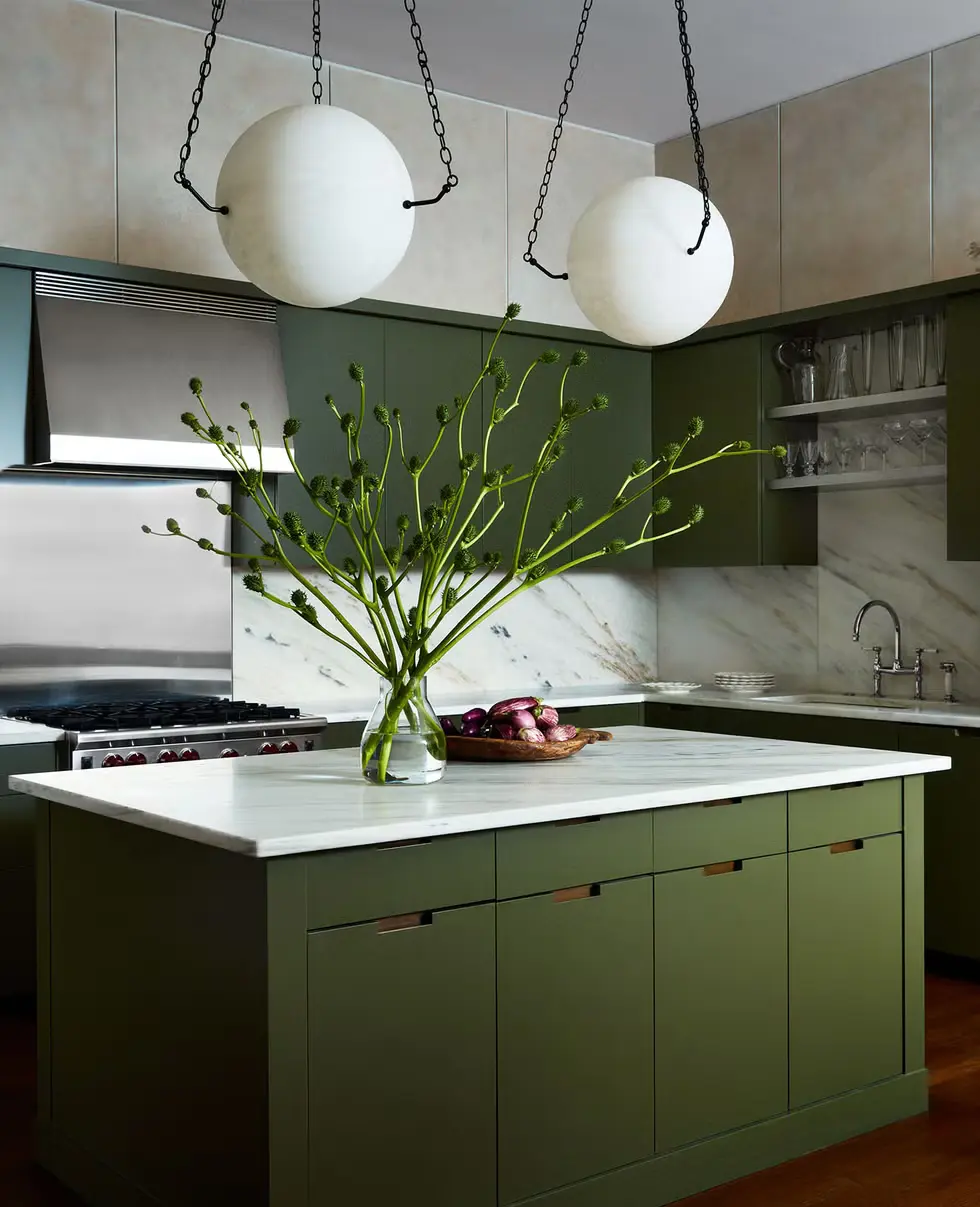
509	750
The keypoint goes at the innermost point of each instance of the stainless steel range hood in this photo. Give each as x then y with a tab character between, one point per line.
111	367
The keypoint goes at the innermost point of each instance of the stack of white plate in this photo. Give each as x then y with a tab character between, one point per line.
749	683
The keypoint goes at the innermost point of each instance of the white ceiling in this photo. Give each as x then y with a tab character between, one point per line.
747	53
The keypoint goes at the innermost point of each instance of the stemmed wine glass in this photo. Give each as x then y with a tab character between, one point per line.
897	431
789	458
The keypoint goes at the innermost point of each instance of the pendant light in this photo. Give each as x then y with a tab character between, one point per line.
314	204
634	267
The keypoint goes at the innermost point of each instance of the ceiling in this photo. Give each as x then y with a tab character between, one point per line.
748	53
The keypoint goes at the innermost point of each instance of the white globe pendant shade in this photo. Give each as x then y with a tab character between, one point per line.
628	265
314	195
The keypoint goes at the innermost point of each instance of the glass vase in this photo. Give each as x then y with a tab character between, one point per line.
403	742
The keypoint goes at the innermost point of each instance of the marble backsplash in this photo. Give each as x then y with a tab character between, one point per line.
581	628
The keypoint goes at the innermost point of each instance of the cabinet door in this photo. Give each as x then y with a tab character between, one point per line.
604	445
318	346
15	349
426	366
575	1035
729	384
963	425
17	962
401	1056
952	838
721	998
845	967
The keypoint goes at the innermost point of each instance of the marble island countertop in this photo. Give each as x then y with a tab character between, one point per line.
317	801
23	733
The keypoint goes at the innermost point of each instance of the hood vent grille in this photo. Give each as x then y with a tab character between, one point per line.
122	293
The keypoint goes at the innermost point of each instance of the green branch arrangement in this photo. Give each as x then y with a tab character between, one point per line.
436	578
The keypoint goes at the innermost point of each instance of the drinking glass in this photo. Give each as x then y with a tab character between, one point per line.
896	356
789	458
841	377
896	431
920	433
811	457
921	329
827	457
939	343
845	453
867	357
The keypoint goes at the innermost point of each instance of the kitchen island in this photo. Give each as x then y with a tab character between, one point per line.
608	982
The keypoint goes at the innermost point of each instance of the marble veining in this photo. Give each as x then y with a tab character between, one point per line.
317	801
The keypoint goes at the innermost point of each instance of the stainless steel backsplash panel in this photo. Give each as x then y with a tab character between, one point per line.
93	608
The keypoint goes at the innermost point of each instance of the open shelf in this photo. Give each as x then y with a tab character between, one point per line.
864	479
867	406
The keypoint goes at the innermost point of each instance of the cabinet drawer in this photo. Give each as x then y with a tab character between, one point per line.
379	882
534	859
819	816
691	836
26	760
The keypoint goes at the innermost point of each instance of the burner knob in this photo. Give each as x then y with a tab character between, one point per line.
136	759
288	747
167	756
188	754
113	760
228	753
269	748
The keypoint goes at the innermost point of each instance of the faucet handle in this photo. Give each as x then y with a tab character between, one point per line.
872	649
947	667
924	649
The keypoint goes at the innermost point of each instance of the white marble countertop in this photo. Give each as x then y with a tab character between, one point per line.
451	702
23	733
317	801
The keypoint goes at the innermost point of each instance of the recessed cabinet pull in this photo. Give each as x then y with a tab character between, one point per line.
404	922
721	869
844	787
714	804
576	821
578	893
404	842
840	848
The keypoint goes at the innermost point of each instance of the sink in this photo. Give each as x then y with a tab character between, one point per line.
848	699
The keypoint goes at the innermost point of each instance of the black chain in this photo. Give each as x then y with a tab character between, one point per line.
217	12
692	104
437	123
532	235
317	60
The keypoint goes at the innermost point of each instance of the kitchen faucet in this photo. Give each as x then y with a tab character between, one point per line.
896	668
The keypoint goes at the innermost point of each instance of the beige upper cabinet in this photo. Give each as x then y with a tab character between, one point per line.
742	162
855	177
956	158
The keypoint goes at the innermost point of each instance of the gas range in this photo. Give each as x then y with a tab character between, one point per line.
118	733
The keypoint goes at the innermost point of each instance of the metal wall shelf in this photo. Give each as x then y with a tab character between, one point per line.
864	479
867	406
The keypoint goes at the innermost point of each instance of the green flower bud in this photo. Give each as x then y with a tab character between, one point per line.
359	468
253	582
469	463
403	523
274	524
293	524
371	482
196	385
429	516
356	371
231	428
254	563
741	446
549	356
638	467
618	545
414	548
350	566
695	427
396	415
447	493
347	488
216	433
382	415
335	481
502	381
318	486
464	561
672	451
189	419
173	526
575	503
600	402
414	464
559	429
316	541
528	555
619	501
451	597
348	421
244	406
557	524
492	559
778	450
496	365
579	358
661	505
697	514
536	572
344	512
268	549
224	509
443	414
252	480
508	468
204	543
391	553
254	425
202	492
470	533
498	415
569	408
146	528
492	478
290	427
299	598
331	497
308	613
512	311
384	584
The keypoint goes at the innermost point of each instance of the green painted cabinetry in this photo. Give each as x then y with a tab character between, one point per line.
730	384
845	967
575	1059
402	1105
963	426
721	998
16	308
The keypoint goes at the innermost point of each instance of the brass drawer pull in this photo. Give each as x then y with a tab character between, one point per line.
405	842
577	821
844	787
578	893
404	922
840	848
721	869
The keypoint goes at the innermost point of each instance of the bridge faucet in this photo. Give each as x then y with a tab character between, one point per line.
856	635
896	668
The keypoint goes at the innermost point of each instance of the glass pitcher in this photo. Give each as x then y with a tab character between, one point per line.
799	358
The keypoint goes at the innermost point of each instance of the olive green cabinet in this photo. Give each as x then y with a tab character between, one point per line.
574	1010
16	300
963	426
402	1047
845	966
730	384
721	998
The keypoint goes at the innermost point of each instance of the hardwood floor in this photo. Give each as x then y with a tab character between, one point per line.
931	1161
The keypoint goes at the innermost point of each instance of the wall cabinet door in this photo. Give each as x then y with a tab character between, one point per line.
16	302
730	384
575	1035
963	426
845	967
402	1100
721	998
317	348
